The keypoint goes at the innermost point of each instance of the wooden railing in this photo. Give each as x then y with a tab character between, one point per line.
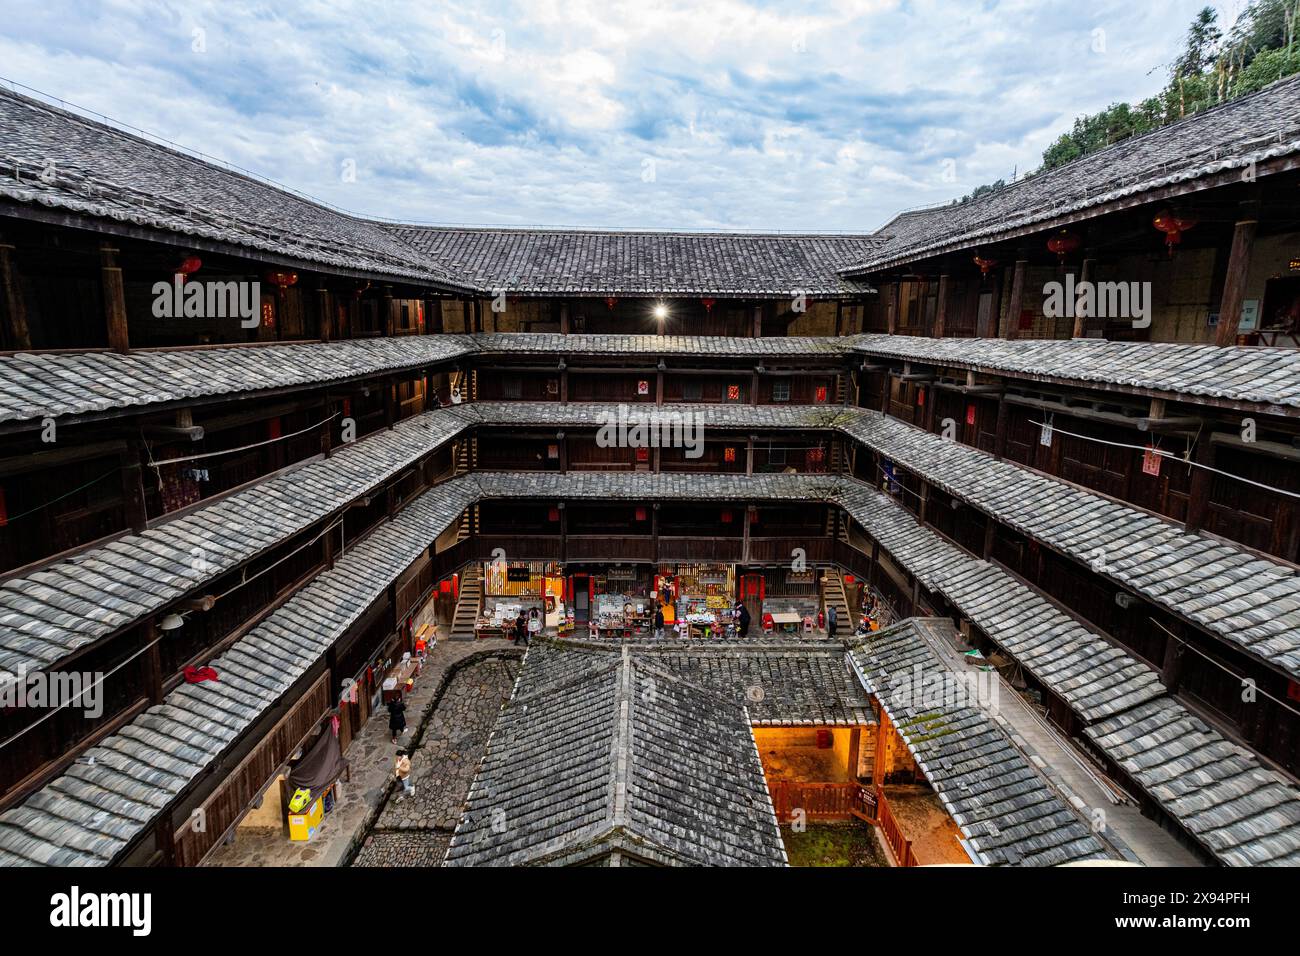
818	801
899	845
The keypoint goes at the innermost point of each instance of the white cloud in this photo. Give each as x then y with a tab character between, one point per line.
833	116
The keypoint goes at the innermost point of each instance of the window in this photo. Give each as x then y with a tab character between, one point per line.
512	388
781	390
775	456
692	391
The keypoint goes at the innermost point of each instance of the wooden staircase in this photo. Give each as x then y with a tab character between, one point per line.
468	604
833	596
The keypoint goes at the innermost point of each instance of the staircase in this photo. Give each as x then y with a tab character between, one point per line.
468	604
833	596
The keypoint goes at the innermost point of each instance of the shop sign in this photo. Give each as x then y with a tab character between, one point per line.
800	577
621	574
519	574
711	577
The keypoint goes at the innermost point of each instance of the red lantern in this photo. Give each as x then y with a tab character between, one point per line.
1173	225
610	303
281	281
986	265
1064	243
726	517
188	266
553	514
708	304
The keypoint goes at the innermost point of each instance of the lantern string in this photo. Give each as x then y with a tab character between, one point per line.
231	451
54	501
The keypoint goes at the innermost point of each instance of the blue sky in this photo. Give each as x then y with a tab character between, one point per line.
709	114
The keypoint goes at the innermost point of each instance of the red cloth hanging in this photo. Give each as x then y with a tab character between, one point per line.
195	675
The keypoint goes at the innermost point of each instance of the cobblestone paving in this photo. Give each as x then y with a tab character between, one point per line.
415	831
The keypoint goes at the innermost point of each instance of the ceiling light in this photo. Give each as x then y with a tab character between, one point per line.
661	311
171	622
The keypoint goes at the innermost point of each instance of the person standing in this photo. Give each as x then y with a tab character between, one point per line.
659	622
521	629
396	718
742	618
402	770
830	621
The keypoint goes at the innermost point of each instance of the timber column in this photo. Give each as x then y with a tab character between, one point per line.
114	299
1234	286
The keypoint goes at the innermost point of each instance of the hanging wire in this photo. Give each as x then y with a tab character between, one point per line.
1165	454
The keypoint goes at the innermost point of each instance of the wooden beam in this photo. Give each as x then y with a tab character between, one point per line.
1081	321
13	307
1016	304
133	502
941	308
1234	287
325	319
114	299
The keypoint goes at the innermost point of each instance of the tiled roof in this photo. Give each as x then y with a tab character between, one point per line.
1093	676
1004	808
1264	377
1247	600
714	346
1250	601
1243	813
113	792
619	755
603	263
48	614
781	683
1225	139
35	385
66	162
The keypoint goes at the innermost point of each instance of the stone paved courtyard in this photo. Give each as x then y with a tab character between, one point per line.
415	831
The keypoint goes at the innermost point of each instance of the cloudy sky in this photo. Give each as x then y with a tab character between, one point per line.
652	113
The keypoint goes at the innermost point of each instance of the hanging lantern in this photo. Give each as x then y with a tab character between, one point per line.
986	265
188	266
281	281
1173	225
708	305
1063	243
610	303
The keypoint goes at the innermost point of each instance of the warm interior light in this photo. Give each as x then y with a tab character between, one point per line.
661	311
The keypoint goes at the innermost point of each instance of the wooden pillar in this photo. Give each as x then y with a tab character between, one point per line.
114	299
925	501
1016	304
323	320
563	440
990	529
659	386
855	751
882	743
744	534
654	532
1198	493
1171	670
390	403
564	383
1234	286
941	309
386	313
749	455
758	321
467	314
13	307
895	300
1081	321
564	318
153	664
1000	438
873	571
133	502
753	387
839	316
